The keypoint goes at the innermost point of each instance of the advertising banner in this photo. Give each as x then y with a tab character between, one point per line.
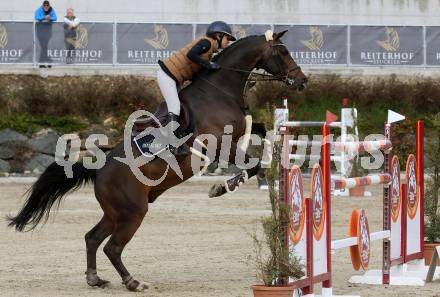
89	43
239	31
16	42
387	46
148	43
316	44
433	46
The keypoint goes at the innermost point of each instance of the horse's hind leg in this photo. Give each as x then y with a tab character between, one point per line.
93	239
126	225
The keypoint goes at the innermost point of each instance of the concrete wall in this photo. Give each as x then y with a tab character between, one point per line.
385	12
394	12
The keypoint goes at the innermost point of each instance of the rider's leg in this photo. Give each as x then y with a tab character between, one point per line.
169	90
168	87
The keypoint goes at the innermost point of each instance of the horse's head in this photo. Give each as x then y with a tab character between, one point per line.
277	60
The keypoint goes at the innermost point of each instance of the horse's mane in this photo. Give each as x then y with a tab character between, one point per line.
224	54
233	46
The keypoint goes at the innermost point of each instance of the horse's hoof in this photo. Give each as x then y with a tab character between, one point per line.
136	286
97	282
100	283
217	190
103	284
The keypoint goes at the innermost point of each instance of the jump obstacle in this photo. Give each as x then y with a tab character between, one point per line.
309	234
343	150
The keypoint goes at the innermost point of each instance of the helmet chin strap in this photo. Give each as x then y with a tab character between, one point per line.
219	40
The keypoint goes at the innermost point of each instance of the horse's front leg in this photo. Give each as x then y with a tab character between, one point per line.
249	170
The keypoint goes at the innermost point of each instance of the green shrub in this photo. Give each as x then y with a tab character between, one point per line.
26	123
92	97
95	98
432	184
372	97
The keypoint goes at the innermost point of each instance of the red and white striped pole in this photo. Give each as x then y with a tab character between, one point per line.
386	246
421	178
348	183
326	178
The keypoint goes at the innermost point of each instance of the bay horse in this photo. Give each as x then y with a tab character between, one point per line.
215	100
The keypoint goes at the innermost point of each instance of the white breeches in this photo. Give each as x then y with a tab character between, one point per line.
169	90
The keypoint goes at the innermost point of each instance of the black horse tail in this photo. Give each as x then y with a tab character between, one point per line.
50	187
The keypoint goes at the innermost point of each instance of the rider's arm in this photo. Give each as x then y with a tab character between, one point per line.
198	49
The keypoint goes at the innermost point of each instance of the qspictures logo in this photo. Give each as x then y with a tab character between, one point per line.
315	52
8	55
390	52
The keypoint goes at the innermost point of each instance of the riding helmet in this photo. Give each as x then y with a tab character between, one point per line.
220	27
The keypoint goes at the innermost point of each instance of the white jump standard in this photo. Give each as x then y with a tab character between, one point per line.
309	234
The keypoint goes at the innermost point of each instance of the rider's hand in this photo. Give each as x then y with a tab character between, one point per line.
214	66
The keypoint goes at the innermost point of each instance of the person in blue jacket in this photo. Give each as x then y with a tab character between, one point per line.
44	15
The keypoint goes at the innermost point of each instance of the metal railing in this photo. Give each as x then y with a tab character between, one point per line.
122	43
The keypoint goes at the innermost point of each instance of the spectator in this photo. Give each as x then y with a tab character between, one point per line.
45	13
44	16
71	23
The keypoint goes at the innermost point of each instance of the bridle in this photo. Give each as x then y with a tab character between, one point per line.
275	55
263	76
269	77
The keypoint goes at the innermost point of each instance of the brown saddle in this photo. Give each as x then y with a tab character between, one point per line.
161	115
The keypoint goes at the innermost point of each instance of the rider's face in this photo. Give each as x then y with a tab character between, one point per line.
224	42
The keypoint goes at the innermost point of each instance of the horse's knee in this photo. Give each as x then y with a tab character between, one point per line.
91	242
112	251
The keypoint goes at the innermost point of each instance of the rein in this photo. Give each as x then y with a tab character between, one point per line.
269	77
264	77
215	86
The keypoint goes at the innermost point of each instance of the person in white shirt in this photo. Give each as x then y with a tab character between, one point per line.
71	23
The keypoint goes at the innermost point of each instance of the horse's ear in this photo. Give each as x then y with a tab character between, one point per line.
277	36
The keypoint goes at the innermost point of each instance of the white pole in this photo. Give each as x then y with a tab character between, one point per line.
343	140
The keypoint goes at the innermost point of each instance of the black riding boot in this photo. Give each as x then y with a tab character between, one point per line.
174	127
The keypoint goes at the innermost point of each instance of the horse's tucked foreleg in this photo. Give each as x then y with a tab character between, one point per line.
232	184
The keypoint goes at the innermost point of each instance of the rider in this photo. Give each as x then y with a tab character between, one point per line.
182	65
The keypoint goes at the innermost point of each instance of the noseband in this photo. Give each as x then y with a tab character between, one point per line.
285	78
